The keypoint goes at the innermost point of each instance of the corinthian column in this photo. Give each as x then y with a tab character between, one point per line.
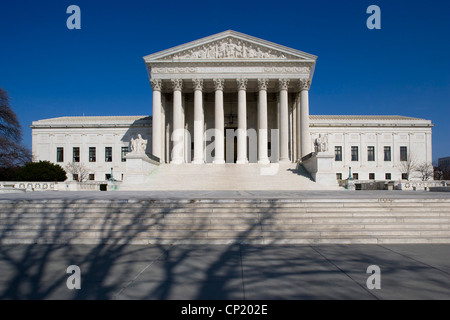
198	121
284	120
242	122
219	157
304	85
178	125
156	119
262	122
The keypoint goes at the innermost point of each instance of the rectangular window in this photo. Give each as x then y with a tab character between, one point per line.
403	154
404	176
355	156
388	176
91	177
123	154
107	176
338	153
76	154
75	177
371	176
59	154
355	176
387	153
339	176
371	153
108	154
92	157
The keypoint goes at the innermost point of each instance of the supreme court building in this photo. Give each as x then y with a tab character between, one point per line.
231	98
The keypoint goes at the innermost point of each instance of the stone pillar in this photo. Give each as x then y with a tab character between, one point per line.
262	122
242	122
219	157
199	120
156	118
284	120
304	117
178	126
298	155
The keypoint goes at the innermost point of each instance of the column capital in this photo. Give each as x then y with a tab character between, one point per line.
262	84
198	84
177	84
304	84
156	84
283	84
241	84
219	84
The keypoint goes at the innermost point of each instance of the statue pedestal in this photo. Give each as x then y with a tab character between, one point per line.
350	184
320	166
139	166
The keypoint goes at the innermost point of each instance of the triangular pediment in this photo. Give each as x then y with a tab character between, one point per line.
230	45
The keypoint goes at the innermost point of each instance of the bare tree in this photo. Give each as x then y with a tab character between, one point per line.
78	169
409	166
426	170
12	152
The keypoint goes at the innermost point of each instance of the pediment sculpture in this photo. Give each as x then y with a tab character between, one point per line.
229	48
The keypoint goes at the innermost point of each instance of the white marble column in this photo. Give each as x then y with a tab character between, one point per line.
178	125
262	122
156	118
242	122
298	154
284	120
304	117
163	128
219	157
199	120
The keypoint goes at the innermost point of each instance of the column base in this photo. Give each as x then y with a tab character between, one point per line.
284	160
198	161
219	162
242	161
264	161
177	161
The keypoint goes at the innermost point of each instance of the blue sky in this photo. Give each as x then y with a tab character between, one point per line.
51	71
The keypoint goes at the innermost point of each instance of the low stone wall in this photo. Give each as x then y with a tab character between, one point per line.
29	186
421	185
26	186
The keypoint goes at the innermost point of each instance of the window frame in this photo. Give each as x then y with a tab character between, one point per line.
59	154
108	154
92	158
387	151
338	153
371	153
354	156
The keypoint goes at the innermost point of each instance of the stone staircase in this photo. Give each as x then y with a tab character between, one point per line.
220	221
276	176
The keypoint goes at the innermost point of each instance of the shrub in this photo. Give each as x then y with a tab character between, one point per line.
41	171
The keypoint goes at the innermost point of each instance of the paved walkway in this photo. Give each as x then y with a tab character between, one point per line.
225	272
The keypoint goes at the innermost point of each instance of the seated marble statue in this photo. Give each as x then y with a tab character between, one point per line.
138	145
